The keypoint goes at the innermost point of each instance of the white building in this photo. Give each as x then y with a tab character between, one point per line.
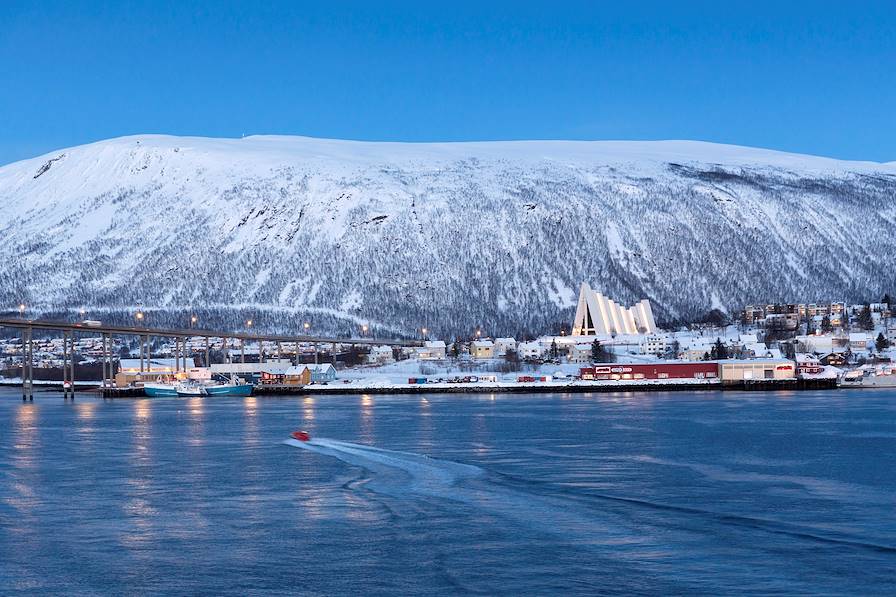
380	355
858	341
580	353
502	345
154	365
655	344
432	350
530	350
275	366
482	349
596	314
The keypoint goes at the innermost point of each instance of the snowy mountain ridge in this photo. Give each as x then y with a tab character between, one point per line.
449	236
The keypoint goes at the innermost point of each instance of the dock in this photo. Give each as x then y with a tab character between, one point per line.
575	387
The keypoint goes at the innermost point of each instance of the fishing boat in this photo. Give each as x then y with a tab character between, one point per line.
159	389
228	389
190	389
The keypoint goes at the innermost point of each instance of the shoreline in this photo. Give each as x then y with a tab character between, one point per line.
575	387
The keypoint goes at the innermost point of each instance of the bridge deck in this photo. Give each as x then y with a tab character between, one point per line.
64	326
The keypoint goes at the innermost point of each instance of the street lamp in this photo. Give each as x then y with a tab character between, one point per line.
364	329
423	332
249	323
139	316
307	326
193	320
21	309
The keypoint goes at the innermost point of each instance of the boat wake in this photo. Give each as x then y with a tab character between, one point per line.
393	470
403	474
400	474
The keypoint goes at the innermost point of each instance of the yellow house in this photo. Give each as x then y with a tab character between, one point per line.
297	376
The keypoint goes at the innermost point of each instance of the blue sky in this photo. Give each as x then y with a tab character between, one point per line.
813	77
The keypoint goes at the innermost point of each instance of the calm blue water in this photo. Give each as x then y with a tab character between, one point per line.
610	493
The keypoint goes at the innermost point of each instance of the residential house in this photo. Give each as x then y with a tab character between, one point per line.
580	353
323	373
482	349
807	364
380	355
502	345
432	350
534	350
858	341
297	376
836	359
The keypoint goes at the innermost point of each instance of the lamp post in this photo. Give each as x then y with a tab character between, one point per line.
364	330
139	316
423	333
22	310
193	320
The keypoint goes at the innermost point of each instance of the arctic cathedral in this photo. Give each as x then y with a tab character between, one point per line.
596	314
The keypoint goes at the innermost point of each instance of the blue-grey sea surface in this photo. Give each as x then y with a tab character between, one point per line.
628	493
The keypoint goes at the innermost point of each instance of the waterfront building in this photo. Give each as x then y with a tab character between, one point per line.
596	315
154	365
658	370
299	375
323	373
736	370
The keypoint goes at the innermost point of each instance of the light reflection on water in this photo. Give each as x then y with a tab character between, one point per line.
308	410
367	419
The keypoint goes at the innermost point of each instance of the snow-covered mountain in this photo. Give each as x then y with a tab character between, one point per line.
448	236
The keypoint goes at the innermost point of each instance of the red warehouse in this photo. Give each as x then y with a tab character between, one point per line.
670	370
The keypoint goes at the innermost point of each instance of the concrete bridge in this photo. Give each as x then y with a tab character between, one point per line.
180	335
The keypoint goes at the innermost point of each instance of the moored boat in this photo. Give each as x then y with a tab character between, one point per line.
159	389
190	389
229	389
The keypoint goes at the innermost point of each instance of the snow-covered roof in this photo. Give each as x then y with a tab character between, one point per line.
483	344
152	364
434	344
321	368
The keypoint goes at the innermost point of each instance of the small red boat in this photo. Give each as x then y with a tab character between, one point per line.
302	436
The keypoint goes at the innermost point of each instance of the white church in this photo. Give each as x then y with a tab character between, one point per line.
598	315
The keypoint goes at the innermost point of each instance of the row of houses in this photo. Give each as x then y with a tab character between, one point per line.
787	316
